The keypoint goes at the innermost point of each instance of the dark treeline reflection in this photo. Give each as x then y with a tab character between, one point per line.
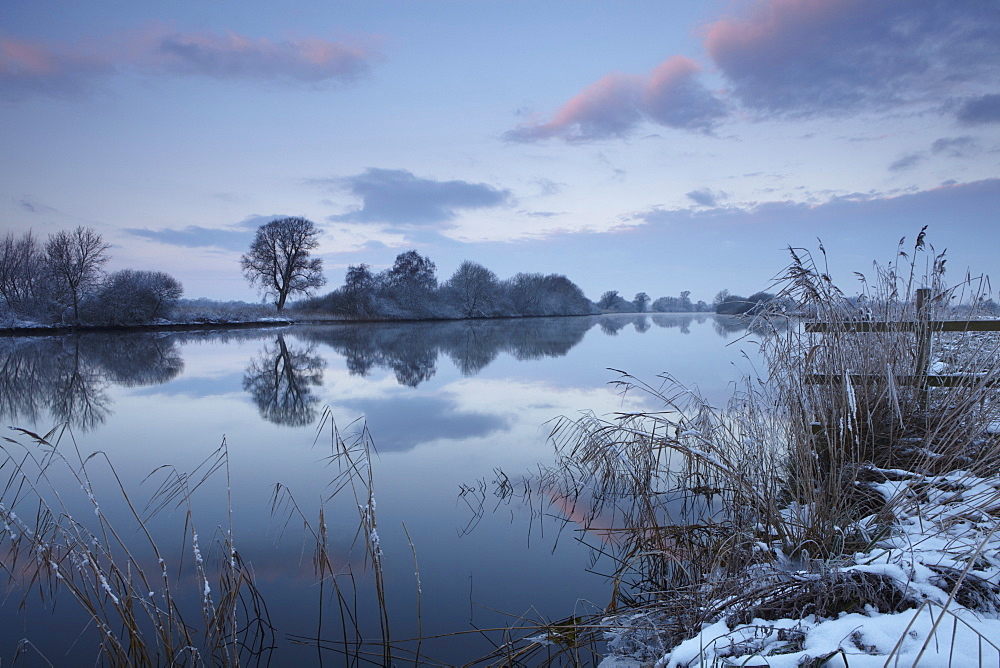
411	350
66	378
281	378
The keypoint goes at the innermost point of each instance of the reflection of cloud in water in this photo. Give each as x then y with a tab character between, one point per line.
212	386
399	424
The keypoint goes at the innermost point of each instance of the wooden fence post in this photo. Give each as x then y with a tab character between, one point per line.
923	334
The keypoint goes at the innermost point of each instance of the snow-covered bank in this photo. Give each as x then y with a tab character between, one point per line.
926	593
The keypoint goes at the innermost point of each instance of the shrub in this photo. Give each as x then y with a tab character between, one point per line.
131	297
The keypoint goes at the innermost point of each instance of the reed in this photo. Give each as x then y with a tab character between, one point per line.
769	508
122	581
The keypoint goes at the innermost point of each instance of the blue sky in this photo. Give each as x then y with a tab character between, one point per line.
643	145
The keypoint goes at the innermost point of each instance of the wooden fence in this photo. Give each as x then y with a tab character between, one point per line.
923	327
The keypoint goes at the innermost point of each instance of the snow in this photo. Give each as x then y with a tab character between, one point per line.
945	533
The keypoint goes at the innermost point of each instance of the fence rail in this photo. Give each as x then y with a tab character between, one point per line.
922	327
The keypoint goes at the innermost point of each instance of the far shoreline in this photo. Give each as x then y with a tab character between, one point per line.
62	330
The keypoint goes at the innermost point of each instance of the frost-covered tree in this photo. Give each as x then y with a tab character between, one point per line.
612	301
358	293
279	261
475	288
411	270
608	299
74	264
410	287
640	301
22	267
131	297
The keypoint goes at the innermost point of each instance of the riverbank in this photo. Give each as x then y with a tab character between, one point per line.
839	512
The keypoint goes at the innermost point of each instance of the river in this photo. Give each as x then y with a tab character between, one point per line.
454	410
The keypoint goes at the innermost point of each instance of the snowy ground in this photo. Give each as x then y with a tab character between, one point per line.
934	561
942	554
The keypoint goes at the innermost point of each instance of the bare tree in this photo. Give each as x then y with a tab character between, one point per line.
640	301
476	288
278	261
21	268
131	297
74	261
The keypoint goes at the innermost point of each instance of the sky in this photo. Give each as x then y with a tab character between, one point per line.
648	145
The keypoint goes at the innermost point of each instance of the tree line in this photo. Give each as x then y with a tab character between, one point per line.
62	281
410	290
724	303
280	264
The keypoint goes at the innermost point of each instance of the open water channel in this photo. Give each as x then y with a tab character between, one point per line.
448	407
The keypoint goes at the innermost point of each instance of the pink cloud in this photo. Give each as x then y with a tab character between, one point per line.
33	67
30	67
674	97
822	56
805	58
615	104
237	56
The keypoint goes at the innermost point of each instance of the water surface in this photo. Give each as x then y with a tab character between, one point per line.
448	406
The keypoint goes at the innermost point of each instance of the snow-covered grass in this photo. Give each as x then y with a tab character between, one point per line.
835	513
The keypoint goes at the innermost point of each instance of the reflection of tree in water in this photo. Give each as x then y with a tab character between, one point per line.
641	324
25	372
69	376
411	350
611	325
137	360
737	325
79	391
280	380
680	320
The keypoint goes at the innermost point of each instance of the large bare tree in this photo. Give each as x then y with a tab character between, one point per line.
22	263
75	261
278	261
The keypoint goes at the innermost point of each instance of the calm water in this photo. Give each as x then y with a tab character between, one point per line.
447	405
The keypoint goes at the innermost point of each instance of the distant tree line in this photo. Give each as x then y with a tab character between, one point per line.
62	281
728	304
410	290
724	303
612	302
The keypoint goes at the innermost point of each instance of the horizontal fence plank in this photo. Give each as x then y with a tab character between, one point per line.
904	326
945	380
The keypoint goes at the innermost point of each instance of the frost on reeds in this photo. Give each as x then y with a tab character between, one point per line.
135	598
350	461
842	509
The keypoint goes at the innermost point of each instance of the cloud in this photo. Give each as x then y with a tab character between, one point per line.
233	56
977	199
32	206
802	57
950	147
390	421
674	98
31	68
955	147
398	197
980	110
906	162
706	197
69	69
194	236
616	104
